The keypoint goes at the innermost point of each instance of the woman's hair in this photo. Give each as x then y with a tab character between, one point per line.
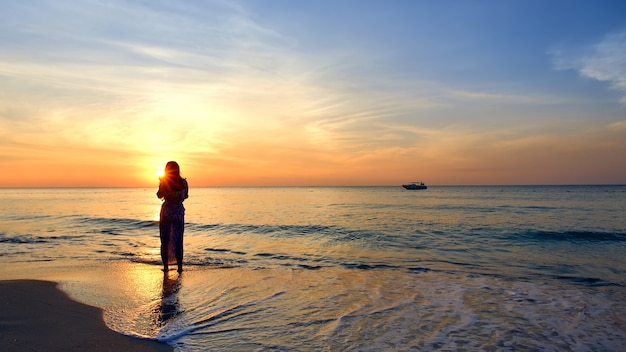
172	178
172	169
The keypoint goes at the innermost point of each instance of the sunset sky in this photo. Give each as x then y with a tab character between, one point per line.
284	93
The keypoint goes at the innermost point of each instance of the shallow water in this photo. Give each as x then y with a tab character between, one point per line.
356	268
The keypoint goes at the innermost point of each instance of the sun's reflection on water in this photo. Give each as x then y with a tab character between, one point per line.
143	282
169	307
147	301
156	216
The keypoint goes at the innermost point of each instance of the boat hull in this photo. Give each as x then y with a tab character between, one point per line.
414	186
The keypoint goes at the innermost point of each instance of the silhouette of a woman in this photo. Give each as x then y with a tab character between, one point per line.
173	189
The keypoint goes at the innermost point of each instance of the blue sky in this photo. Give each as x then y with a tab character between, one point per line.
313	92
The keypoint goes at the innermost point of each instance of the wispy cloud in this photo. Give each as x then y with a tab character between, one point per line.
604	61
120	66
618	126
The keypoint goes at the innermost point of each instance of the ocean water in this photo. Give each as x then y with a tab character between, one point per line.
495	268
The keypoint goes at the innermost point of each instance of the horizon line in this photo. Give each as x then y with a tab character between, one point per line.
321	186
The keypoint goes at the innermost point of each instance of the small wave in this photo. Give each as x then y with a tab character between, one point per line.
331	232
291	230
419	270
309	267
588	281
21	239
573	236
288	260
363	266
129	223
224	250
26	217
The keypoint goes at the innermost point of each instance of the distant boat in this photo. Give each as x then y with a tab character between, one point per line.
415	186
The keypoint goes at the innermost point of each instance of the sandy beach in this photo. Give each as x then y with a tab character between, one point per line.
37	316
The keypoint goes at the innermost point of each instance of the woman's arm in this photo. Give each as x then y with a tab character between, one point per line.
160	193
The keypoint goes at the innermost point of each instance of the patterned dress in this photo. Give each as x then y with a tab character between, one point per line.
172	223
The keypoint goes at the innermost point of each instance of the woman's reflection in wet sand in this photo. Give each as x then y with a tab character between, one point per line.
169	307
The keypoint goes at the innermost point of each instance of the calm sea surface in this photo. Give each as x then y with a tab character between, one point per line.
342	268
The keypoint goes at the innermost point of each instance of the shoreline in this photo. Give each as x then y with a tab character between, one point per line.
35	315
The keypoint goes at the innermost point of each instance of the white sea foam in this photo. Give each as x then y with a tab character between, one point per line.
366	310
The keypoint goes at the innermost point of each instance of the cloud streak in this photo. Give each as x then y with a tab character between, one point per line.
604	61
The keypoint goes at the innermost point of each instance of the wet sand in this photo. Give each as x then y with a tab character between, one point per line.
37	316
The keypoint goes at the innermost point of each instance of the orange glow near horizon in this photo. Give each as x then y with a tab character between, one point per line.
534	162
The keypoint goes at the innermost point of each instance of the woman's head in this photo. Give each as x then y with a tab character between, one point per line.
172	169
171	180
